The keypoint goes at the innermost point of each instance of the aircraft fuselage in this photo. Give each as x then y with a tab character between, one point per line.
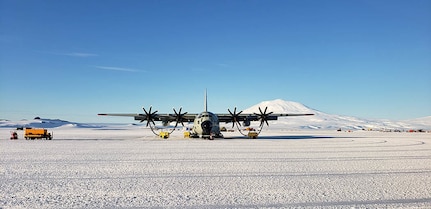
206	125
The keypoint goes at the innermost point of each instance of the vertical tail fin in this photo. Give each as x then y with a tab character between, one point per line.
206	101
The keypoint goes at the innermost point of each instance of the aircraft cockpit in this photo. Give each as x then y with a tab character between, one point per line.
209	115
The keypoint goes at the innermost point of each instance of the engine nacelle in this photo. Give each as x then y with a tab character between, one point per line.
165	123
246	123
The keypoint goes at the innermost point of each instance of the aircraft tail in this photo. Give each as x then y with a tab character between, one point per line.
206	101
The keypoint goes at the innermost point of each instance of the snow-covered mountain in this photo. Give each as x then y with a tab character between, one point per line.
43	123
322	120
424	121
280	106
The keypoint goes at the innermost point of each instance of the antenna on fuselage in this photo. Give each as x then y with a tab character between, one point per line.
206	101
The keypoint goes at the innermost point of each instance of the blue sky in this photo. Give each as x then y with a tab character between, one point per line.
74	59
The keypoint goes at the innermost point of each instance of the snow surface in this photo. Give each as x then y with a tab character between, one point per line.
125	166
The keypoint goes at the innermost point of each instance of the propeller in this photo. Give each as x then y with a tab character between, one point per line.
235	117
149	116
179	117
263	116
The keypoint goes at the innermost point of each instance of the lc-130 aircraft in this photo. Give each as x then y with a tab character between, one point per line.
206	124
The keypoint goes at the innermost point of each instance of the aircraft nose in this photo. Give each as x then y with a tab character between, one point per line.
206	127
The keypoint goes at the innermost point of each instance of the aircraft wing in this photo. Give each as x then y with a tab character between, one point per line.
254	117
166	118
179	117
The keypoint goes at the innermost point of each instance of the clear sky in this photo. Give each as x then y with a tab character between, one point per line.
73	59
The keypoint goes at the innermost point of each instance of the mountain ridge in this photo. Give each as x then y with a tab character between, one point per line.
322	120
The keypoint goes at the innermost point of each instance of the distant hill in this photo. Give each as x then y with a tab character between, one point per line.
42	123
323	120
424	121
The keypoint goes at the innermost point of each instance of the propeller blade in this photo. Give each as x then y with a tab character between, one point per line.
149	116
235	117
179	117
149	112
263	116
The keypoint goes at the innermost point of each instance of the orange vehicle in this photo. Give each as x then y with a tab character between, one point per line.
37	133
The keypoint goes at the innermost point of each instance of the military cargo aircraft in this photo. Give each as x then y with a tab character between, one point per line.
206	124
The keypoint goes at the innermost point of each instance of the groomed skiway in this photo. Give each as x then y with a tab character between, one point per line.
303	169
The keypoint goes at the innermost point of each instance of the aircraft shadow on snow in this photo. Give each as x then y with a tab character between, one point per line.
286	137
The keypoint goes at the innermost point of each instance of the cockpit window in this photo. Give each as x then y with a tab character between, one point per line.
209	115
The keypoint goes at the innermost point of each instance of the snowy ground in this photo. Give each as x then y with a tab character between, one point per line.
127	167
